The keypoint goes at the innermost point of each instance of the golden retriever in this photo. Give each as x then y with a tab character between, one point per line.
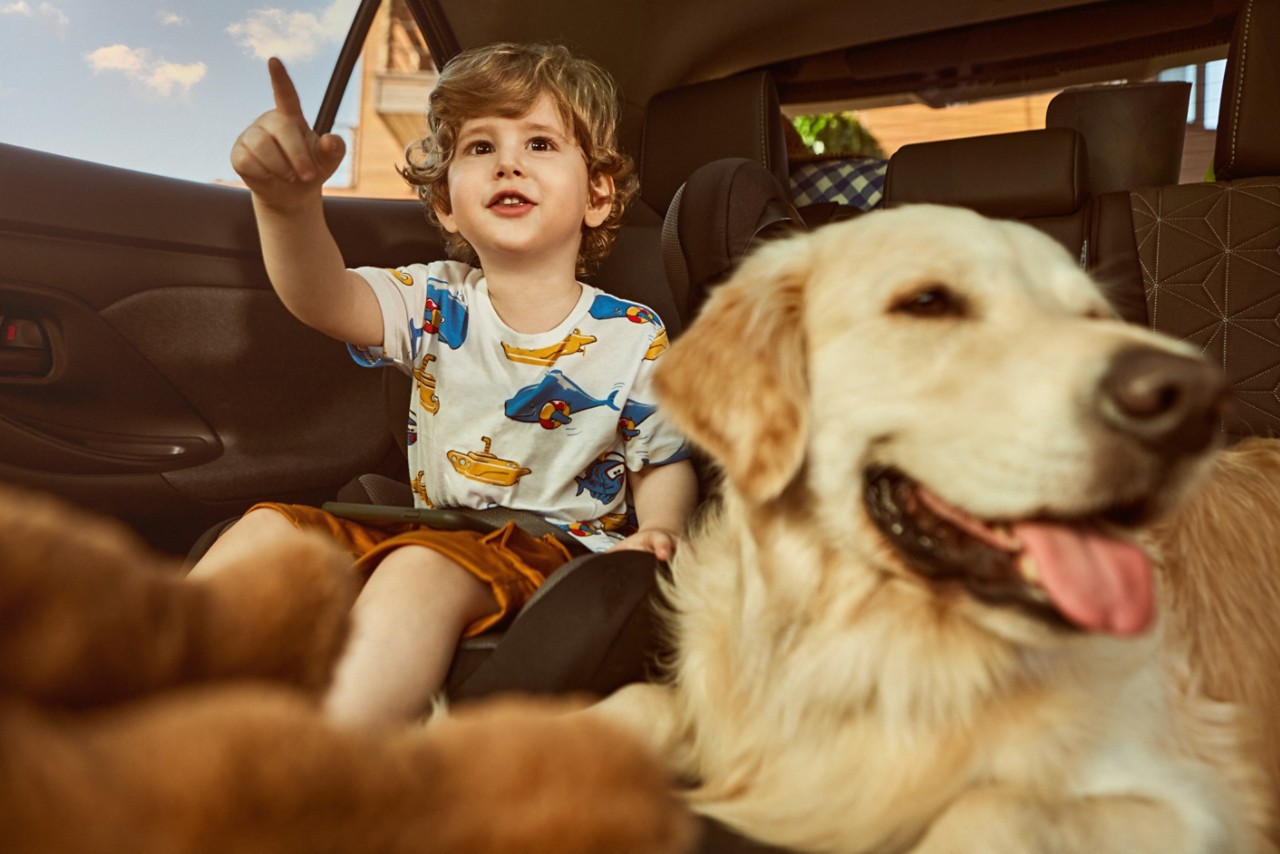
919	620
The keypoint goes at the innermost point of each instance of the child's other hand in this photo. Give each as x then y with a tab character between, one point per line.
660	542
281	159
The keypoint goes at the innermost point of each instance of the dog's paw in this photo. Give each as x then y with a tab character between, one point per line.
529	776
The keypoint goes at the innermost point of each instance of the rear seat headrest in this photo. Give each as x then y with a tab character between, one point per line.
688	127
1248	142
1021	175
1133	132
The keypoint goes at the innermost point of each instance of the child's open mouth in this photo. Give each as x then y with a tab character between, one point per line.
509	202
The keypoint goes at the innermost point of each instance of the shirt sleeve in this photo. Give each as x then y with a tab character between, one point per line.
649	436
401	295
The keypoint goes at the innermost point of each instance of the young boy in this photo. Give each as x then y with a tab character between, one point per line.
532	390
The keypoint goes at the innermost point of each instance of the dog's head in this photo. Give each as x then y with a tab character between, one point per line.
955	398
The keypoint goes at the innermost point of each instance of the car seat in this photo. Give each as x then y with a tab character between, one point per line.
1201	261
588	628
1133	137
723	210
1039	177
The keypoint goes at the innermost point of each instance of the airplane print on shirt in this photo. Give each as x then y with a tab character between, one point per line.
575	343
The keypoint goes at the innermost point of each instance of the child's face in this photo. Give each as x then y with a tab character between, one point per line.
520	190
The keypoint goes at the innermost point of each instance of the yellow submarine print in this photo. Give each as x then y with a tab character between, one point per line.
403	277
485	467
420	489
574	342
660	343
613	521
427	385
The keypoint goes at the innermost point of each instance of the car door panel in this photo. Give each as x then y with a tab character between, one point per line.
153	374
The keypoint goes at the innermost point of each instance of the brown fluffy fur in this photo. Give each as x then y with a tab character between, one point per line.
141	712
823	696
1222	551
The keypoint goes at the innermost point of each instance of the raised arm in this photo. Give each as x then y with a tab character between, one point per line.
284	163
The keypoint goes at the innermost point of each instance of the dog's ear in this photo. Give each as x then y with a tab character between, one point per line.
736	381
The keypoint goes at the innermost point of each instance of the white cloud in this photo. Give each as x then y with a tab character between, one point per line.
136	63
293	35
47	15
117	57
170	19
166	76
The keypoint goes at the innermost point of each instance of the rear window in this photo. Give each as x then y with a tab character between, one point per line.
880	131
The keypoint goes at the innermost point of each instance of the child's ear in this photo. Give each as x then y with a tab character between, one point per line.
599	200
446	219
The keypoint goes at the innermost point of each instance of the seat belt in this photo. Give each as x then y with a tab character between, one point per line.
530	523
385	506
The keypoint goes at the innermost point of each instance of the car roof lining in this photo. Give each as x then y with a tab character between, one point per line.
856	54
909	44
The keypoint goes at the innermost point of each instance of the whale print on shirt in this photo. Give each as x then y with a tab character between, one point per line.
553	402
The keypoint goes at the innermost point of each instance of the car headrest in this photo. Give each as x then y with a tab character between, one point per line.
688	127
726	208
1248	143
1021	175
1133	132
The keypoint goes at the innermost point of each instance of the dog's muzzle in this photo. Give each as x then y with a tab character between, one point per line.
1065	573
1171	405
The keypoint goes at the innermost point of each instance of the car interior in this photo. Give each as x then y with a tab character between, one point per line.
148	371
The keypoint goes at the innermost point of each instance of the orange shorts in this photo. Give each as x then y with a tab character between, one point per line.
510	562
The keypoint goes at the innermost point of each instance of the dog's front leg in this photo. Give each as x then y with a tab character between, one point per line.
649	711
1005	820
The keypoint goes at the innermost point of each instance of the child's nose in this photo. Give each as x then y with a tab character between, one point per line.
509	165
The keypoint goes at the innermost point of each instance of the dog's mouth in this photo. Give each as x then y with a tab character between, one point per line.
1068	573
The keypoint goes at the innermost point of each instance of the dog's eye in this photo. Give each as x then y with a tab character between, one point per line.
930	301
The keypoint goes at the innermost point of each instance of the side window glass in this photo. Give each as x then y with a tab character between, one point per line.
384	108
166	87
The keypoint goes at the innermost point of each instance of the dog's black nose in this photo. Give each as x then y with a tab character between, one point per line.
1173	404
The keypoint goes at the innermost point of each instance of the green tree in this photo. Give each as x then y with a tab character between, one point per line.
837	135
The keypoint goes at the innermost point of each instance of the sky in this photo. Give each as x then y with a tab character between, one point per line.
161	86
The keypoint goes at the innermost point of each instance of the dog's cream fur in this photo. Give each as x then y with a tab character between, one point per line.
821	695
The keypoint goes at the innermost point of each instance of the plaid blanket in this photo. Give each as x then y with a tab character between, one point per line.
858	182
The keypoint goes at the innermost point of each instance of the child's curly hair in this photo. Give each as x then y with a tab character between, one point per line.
506	80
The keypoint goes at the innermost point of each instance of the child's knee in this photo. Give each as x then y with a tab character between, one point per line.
262	521
418	567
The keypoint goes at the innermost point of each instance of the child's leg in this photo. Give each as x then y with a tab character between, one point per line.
243	540
406	626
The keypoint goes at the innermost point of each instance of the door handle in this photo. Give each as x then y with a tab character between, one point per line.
24	348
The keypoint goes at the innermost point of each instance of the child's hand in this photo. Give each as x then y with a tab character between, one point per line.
658	541
281	159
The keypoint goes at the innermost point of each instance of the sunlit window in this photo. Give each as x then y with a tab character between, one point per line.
1206	90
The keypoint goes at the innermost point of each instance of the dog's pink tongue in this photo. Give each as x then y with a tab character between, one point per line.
1098	583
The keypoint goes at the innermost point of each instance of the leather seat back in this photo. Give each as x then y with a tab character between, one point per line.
1039	177
1208	254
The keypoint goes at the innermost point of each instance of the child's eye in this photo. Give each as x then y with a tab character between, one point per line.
480	146
541	143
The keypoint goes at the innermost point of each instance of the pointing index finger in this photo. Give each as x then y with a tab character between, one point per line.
282	88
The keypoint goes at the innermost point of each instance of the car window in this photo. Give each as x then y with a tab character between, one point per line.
385	105
879	131
165	87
